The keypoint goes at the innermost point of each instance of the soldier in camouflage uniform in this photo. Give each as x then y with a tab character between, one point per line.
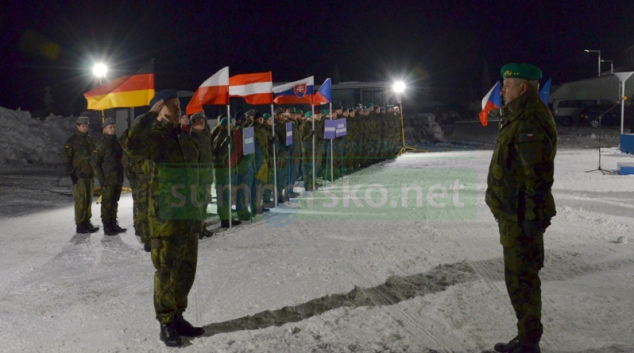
221	167
519	196
307	136
281	154
244	171
134	170
76	160
174	242
261	158
295	151
202	137
106	163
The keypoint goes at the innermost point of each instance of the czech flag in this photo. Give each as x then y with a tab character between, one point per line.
544	93
298	92
214	91
492	101
324	94
254	88
124	92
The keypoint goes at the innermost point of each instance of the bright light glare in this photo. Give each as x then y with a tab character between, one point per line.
399	87
100	70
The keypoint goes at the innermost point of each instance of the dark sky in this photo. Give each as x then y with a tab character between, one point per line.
442	44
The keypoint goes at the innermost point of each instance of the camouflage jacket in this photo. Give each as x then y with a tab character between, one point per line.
106	161
522	166
76	155
202	139
132	167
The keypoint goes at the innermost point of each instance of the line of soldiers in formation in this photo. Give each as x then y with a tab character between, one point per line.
373	134
159	141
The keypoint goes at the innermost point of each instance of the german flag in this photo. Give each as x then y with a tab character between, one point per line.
124	92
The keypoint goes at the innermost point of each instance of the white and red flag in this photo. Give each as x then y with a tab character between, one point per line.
254	88
214	91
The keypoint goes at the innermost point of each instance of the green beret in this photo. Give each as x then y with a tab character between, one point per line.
525	71
308	114
299	111
223	121
266	116
371	105
325	111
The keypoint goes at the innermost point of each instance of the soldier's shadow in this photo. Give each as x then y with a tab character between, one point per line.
394	290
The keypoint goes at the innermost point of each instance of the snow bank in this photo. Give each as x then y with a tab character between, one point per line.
27	140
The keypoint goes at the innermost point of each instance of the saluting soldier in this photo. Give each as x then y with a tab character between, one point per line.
106	162
519	195
76	160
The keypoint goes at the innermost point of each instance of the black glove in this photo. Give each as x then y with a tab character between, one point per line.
73	178
532	229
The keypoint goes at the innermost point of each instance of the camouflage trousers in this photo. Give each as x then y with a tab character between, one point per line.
140	194
175	260
82	192
523	258
110	196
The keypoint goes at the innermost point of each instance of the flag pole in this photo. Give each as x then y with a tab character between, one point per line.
332	163
229	161
313	121
274	160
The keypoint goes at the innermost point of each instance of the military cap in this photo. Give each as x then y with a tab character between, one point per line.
299	111
108	121
250	112
350	110
164	95
198	116
371	105
291	110
266	116
257	114
82	120
308	114
223	121
317	111
525	71
279	110
325	111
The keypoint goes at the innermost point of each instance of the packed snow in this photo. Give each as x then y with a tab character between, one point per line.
320	285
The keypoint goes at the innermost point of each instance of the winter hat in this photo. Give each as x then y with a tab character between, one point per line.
108	121
82	120
164	95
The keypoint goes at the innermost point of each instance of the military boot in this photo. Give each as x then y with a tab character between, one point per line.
82	229
169	335
107	228
526	348
115	226
147	247
184	328
507	347
90	227
225	224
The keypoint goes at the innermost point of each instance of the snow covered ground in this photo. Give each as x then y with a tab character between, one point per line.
319	285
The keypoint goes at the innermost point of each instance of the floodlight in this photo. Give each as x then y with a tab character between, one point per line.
399	87
100	70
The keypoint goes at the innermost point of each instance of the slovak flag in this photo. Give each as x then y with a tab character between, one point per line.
298	92
254	88
492	101
324	94
214	91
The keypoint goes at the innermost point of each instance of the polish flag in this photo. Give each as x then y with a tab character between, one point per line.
492	101
254	88
214	91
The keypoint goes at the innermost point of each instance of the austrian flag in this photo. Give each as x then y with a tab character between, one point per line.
254	88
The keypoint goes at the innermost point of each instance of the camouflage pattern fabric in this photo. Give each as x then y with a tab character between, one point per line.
82	192
133	169
106	161
110	196
175	261
307	148
281	157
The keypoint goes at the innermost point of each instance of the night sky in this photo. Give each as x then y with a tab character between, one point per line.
456	47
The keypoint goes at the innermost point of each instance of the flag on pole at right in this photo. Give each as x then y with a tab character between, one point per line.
324	94
492	101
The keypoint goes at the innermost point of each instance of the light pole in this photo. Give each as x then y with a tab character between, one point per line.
611	65
399	87
596	51
100	70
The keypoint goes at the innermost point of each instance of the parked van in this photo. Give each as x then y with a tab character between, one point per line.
567	111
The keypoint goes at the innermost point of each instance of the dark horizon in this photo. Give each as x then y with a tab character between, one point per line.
454	48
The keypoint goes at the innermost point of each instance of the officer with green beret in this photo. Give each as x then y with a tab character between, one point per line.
106	163
519	195
76	160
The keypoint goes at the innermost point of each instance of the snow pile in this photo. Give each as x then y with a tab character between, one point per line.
27	140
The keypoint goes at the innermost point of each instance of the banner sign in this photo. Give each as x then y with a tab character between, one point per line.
330	128
289	134
342	125
248	136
